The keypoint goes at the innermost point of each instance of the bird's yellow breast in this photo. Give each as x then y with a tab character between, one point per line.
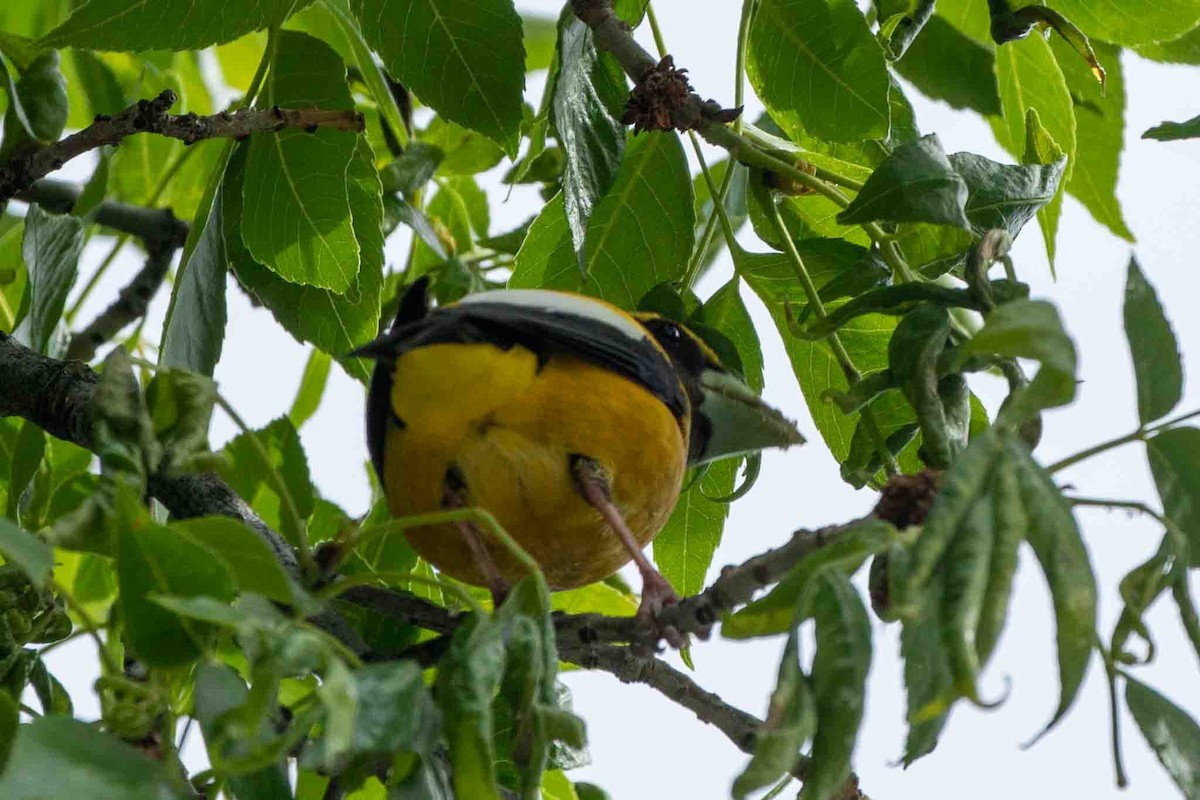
509	425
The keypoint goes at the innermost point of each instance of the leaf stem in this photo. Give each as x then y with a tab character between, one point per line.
853	376
1140	435
749	7
655	31
715	193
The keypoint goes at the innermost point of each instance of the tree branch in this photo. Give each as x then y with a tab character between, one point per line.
150	116
58	396
131	304
151	225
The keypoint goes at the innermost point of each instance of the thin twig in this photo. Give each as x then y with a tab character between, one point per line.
150	116
130	305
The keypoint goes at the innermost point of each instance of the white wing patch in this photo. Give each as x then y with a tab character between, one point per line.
575	305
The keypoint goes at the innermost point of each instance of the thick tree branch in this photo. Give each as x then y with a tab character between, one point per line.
150	116
130	305
151	225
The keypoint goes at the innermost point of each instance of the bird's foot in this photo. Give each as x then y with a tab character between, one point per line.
658	594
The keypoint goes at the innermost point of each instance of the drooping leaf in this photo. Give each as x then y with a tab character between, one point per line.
131	26
791	719
59	757
839	677
194	330
1175	463
927	678
916	183
1029	77
468	676
296	214
51	250
1155	350
817	68
469	65
37	107
156	560
684	549
1003	195
947	65
1056	541
1170	732
589	96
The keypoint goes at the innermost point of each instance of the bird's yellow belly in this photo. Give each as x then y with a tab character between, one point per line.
509	429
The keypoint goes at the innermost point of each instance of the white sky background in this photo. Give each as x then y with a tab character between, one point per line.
644	746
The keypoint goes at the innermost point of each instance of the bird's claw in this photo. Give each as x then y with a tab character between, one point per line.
658	594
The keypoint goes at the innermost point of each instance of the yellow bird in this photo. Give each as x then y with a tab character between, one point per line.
569	420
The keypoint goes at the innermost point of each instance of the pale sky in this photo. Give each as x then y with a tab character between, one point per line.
644	746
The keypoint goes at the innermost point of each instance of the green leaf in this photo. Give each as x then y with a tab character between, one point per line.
546	259
163	561
640	234
1155	350
1133	21
312	388
1170	732
219	693
297	218
395	714
817	68
540	35
1183	50
10	724
1175	463
1003	195
251	478
839	677
468	676
945	64
37	107
24	460
180	405
464	151
254	565
1174	131
51	249
1031	329
1055	538
57	758
775	612
34	557
916	183
134	26
1029	77
589	97
194	330
773	279
683	549
336	323
791	719
1099	131
469	66
726	312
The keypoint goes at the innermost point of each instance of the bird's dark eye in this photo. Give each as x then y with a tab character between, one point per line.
670	332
